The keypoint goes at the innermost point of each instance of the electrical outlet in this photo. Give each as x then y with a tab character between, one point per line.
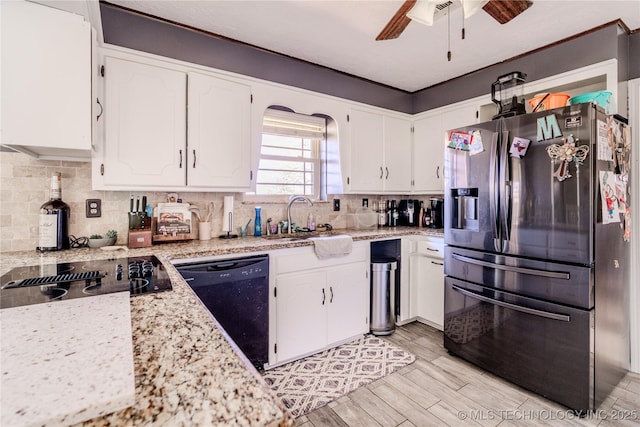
94	208
336	205
365	203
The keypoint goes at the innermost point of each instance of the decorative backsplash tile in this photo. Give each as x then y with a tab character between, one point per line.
24	187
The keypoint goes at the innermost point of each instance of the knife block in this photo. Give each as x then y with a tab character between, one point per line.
140	238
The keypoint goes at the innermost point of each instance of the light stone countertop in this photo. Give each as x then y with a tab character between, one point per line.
59	343
187	371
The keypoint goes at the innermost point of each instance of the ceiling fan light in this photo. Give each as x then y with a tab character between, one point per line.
470	7
423	11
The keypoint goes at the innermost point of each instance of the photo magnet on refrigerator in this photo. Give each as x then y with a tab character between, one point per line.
476	146
519	147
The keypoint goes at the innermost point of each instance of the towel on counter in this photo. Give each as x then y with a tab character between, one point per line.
332	246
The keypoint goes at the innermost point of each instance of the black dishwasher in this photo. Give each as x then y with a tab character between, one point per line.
236	292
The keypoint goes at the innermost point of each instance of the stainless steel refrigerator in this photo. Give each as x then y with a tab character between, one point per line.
537	257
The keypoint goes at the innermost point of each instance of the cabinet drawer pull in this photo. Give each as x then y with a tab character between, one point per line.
381	172
180	151
438	172
387	169
437	263
194	159
323	296
331	290
433	250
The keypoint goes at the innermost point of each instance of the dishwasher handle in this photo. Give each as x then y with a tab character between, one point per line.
213	273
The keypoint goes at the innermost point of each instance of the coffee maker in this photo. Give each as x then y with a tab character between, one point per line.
437	213
409	212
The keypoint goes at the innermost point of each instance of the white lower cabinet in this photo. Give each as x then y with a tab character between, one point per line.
348	308
301	314
424	280
317	304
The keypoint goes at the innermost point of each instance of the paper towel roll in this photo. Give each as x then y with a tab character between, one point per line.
227	215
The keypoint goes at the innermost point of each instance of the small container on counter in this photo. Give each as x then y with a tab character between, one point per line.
257	223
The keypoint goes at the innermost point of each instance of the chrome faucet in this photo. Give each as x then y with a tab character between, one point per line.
293	199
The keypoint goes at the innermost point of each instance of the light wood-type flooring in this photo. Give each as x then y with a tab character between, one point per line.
442	390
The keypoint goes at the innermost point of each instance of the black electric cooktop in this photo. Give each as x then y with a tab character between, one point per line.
37	284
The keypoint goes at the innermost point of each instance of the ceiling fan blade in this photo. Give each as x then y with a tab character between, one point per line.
504	11
397	23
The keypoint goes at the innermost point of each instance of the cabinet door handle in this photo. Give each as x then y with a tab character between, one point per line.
101	109
194	159
437	263
323	296
438	172
331	290
180	151
380	172
387	169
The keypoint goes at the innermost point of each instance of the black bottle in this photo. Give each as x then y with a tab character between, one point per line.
53	231
393	214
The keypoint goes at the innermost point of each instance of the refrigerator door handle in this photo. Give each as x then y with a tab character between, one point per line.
494	191
530	271
535	312
505	190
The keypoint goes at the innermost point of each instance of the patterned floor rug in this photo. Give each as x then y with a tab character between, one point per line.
312	382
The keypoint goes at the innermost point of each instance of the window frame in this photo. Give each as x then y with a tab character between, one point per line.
278	122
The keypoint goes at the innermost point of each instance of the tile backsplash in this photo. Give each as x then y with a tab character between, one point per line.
24	187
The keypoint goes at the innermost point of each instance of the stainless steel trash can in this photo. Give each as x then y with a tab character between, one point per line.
383	281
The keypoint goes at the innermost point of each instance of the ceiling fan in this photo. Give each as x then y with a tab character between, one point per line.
501	10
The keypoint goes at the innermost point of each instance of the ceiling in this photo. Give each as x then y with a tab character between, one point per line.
341	34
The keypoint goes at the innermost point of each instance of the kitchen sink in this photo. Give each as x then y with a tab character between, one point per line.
299	235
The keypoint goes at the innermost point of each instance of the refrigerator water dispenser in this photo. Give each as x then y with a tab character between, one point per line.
465	209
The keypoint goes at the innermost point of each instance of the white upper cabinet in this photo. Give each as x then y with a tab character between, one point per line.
46	81
459	116
367	155
397	155
145	125
380	153
428	155
219	132
167	127
429	141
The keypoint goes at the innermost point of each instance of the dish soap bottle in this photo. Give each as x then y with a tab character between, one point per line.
257	224
311	223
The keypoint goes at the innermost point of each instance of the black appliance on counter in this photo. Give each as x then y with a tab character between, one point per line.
409	212
437	213
236	292
36	284
536	262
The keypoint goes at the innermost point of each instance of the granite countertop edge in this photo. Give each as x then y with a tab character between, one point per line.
187	370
